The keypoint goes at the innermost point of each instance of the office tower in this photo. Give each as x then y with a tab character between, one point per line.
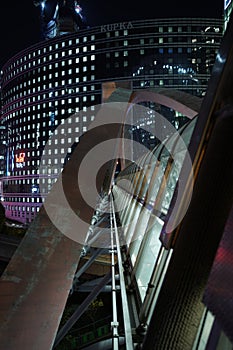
52	80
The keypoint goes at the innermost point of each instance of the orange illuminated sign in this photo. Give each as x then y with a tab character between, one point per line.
19	158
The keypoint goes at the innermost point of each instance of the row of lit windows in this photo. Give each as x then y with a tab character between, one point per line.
19	208
168	29
37	98
39	88
196	26
28	65
71	71
177	40
60	85
161	40
51	48
76	51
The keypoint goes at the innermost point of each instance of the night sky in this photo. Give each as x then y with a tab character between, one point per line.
19	20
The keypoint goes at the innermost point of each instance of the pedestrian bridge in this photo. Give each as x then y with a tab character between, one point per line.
158	237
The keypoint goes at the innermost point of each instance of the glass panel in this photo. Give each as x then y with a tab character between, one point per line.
149	255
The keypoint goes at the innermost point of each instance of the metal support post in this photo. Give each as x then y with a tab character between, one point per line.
125	307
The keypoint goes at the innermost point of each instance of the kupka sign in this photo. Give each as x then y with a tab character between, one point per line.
116	26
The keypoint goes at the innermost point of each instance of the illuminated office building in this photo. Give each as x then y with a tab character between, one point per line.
48	82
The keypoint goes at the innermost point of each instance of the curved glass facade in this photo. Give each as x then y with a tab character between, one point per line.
152	181
50	81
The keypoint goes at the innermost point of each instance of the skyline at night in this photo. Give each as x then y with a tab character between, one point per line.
20	28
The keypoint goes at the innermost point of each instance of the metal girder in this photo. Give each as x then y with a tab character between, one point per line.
125	307
35	286
88	263
81	309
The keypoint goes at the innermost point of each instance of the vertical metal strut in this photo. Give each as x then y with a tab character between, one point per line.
114	323
125	308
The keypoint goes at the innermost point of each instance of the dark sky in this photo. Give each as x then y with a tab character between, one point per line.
19	21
